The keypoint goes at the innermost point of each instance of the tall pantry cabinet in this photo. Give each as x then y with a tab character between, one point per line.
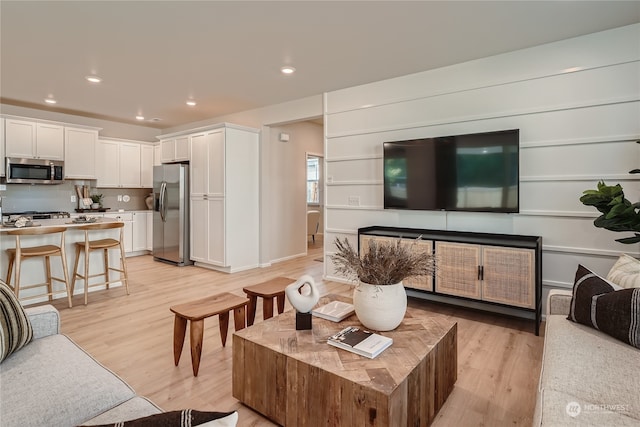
224	171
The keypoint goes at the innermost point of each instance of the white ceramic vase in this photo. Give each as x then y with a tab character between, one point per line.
380	308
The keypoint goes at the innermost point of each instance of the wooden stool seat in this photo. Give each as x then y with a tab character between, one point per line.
195	312
17	254
104	245
273	288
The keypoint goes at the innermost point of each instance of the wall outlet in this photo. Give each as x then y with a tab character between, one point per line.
119	197
73	199
3	187
354	200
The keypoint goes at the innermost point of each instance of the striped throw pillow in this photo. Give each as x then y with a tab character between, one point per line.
625	272
15	328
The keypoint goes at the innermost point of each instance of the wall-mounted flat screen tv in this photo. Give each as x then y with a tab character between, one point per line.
475	172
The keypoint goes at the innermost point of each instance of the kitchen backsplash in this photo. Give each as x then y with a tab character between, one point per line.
23	197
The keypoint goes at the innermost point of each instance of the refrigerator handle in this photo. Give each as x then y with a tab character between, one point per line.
163	208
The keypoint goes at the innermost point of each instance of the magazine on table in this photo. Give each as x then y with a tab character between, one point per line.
335	311
359	341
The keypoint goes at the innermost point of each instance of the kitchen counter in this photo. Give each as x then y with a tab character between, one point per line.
33	269
66	222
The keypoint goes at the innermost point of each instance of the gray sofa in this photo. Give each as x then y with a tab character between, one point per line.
53	382
588	378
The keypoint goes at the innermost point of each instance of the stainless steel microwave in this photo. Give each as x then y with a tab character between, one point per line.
34	171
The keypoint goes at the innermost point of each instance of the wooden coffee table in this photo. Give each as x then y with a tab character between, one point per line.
295	378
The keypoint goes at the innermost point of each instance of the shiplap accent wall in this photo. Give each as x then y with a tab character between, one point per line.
577	105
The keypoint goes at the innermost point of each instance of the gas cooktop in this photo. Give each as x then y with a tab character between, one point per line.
36	215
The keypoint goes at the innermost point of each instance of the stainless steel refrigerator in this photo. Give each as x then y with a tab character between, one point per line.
171	213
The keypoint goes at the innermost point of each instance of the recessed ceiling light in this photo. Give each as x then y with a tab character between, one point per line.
50	101
93	79
191	103
287	69
139	117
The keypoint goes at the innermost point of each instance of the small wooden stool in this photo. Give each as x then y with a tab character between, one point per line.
267	291
196	312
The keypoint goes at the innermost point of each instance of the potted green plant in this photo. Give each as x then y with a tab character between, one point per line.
97	201
380	300
618	213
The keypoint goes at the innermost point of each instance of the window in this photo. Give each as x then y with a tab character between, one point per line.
313	180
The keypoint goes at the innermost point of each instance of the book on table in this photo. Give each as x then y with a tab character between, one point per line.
359	341
336	311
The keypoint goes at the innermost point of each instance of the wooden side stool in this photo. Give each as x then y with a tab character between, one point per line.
196	312
267	291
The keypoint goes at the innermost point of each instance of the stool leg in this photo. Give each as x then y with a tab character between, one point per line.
106	267
251	313
267	308
224	326
16	289
280	298
87	254
10	270
196	330
47	263
179	331
123	267
238	318
75	270
65	271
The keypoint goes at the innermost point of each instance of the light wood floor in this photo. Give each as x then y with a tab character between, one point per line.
498	357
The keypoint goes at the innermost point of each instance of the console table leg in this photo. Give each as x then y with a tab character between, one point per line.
238	318
280	299
267	308
196	333
251	314
179	331
223	318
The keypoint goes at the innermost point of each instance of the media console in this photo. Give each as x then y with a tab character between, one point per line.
496	272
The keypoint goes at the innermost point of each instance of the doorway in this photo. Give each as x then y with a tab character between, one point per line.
315	199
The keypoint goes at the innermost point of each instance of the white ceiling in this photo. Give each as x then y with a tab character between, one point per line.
153	55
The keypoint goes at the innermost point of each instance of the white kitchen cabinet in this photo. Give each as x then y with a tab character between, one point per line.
224	198
118	164
80	153
157	154
127	218
35	140
149	231
2	161
146	166
139	231
175	149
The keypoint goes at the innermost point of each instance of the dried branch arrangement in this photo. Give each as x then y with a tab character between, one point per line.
383	263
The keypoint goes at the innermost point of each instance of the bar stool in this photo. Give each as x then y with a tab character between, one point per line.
17	254
101	244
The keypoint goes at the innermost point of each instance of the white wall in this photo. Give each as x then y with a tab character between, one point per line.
287	189
577	105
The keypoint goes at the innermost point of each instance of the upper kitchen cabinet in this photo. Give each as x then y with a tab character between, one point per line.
2	162
175	149
80	153
34	140
146	165
118	163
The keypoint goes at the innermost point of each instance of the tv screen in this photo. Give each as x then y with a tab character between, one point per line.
475	172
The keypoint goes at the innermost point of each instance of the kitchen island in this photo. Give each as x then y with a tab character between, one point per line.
33	270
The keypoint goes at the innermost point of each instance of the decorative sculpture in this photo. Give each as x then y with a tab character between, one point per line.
303	296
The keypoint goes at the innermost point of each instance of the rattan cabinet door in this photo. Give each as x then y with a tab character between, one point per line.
457	269
509	276
424	283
